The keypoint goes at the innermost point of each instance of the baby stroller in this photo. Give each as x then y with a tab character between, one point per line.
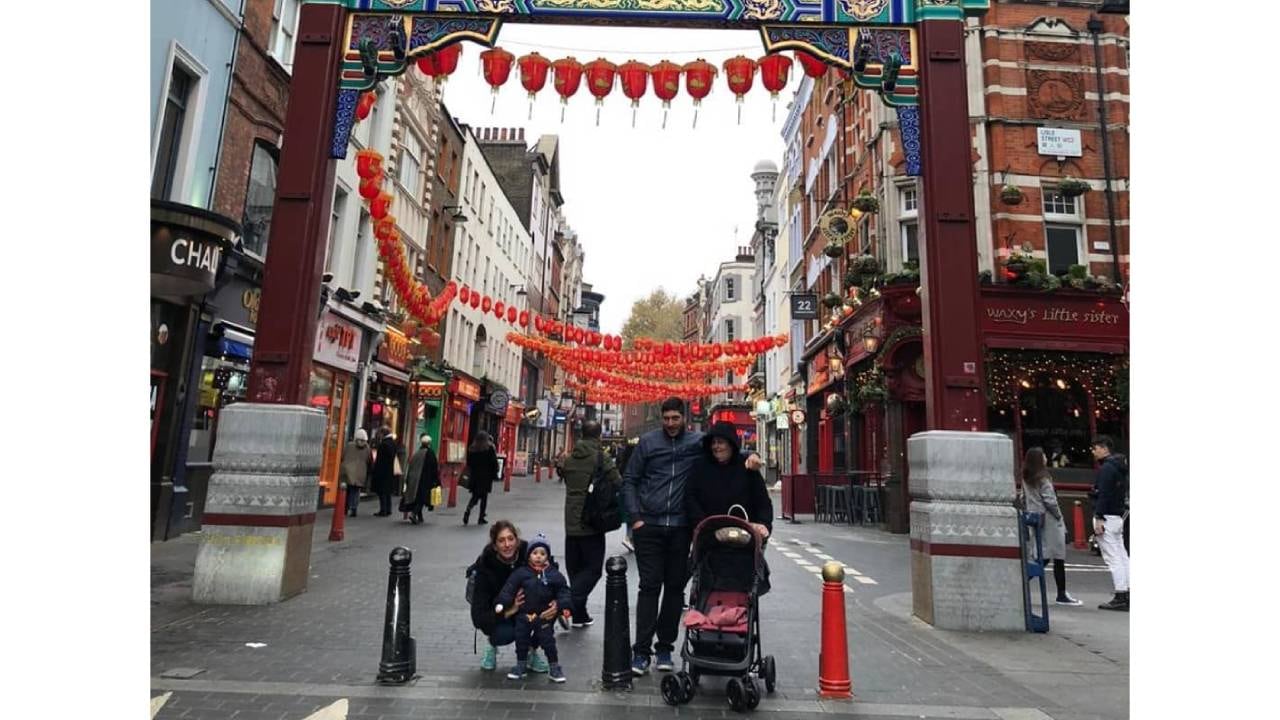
722	626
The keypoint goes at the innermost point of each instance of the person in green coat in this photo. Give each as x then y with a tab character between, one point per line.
584	546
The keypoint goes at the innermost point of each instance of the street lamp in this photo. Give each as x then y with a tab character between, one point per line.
456	213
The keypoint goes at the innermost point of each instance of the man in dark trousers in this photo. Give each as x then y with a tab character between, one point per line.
653	492
1110	487
583	545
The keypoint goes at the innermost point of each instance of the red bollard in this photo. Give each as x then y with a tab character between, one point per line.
453	490
537	473
1079	541
337	527
833	660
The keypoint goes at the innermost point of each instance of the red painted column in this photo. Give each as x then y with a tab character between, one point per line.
948	252
285	338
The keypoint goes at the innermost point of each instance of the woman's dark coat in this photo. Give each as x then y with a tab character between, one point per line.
482	466
491	575
384	466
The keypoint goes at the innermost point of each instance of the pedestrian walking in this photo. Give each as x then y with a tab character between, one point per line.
544	588
1110	488
423	476
583	544
386	471
482	470
357	465
653	491
1039	497
624	454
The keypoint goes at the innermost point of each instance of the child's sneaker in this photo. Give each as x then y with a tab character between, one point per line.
537	663
556	674
517	672
490	659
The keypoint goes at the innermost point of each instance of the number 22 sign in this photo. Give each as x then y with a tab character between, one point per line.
804	306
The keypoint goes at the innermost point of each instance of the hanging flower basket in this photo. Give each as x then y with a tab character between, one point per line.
852	279
834	250
868	265
831	299
1072	187
1011	195
866	202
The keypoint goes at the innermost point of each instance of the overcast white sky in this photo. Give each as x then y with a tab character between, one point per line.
652	207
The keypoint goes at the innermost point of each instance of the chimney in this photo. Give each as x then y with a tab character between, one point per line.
521	135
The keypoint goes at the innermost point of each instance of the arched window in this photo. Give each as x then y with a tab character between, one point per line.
481	352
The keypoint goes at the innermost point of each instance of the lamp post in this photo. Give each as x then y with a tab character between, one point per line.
1095	27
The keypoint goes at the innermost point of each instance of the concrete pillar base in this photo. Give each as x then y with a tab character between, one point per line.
260	512
966	563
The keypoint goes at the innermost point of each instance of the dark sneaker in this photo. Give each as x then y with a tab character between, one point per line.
556	674
664	663
563	621
1067	600
640	665
1119	602
517	672
584	622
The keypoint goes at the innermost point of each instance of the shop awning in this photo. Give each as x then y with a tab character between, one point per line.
230	348
391	374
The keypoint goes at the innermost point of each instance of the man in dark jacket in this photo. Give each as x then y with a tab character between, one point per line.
653	492
1110	487
583	545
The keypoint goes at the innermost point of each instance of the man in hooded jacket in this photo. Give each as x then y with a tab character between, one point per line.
584	545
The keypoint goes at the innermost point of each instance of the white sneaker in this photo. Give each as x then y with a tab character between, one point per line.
1068	600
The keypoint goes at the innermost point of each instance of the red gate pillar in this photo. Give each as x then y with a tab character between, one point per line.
948	254
260	512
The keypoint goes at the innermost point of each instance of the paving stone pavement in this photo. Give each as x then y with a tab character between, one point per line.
325	644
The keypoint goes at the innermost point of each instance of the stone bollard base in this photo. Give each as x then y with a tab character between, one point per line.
260	512
966	562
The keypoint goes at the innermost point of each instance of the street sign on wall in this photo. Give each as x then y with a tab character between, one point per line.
1059	142
804	306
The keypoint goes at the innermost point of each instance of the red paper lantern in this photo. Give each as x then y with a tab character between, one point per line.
381	205
568	76
486	304
384	228
496	65
666	84
740	72
524	318
369	189
368	164
511	315
475	300
533	75
600	75
813	66
634	77
775	71
364	106
698	77
537	323
442	62
464	295
499	309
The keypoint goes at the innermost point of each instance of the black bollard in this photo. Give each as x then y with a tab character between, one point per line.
399	657
617	628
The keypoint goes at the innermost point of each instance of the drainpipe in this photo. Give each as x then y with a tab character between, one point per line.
226	106
1095	26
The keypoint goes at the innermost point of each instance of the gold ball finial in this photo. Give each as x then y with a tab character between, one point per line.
833	572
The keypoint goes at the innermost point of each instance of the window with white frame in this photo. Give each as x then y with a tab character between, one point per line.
729	335
1063	232
284	29
909	223
173	132
335	226
409	166
730	292
260	198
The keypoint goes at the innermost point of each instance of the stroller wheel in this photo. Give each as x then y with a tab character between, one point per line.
736	694
672	693
770	674
686	685
752	692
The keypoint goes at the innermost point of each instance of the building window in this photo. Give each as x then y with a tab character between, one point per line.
909	225
728	330
335	226
364	250
729	289
1063	232
173	126
409	166
284	28
259	199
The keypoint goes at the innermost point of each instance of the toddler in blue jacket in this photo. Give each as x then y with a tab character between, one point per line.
541	583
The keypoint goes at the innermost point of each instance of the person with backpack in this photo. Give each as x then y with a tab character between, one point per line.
502	555
1110	488
591	508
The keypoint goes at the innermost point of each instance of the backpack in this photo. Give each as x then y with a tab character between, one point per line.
602	510
471	584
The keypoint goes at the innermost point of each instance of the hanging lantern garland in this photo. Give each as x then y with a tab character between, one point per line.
666	85
741	72
698	78
600	74
634	77
568	77
495	65
533	75
775	71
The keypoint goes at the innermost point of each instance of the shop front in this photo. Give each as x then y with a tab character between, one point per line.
508	441
335	362
188	247
428	400
387	402
463	391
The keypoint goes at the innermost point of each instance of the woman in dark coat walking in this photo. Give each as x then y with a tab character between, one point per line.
423	476
482	470
385	472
